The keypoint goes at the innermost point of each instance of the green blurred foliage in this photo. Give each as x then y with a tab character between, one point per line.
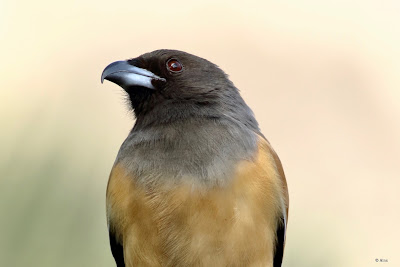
53	198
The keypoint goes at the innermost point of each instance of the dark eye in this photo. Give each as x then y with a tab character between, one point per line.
174	65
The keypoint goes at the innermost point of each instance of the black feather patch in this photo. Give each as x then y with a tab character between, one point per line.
117	250
280	243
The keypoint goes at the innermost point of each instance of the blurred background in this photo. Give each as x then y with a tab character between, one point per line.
321	76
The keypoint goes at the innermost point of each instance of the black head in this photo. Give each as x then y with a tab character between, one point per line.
166	85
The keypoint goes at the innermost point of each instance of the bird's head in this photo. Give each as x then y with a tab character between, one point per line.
171	84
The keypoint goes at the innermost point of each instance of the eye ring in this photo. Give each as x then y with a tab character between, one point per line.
173	65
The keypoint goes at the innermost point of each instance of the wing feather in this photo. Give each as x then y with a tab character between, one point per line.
282	224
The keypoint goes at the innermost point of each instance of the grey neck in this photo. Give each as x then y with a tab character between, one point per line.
204	149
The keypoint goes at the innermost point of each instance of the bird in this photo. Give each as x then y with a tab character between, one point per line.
195	183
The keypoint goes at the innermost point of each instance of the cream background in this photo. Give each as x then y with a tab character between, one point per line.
321	76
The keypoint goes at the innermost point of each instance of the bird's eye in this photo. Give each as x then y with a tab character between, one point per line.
174	65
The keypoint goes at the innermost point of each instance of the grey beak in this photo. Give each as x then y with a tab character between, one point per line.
127	75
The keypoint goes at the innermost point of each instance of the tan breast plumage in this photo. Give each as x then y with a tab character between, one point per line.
183	224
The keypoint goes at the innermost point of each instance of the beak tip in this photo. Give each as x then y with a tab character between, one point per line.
103	77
